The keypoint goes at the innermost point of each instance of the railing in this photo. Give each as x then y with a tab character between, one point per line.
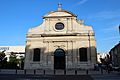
52	72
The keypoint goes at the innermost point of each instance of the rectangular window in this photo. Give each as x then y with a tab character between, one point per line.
83	54
36	55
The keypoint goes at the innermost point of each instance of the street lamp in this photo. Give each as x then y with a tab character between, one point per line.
89	44
119	29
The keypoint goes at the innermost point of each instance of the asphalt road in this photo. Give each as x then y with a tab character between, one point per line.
44	77
106	77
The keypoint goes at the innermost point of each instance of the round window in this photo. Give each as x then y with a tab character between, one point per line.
59	26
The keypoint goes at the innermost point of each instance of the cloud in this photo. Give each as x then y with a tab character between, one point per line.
114	28
109	38
106	15
82	2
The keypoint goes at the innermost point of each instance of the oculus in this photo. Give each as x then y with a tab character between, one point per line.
59	26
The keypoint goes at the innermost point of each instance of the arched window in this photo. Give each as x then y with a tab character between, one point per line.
83	54
59	52
36	54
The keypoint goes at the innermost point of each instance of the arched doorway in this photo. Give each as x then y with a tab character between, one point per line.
59	59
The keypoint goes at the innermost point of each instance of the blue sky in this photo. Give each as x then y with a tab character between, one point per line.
17	16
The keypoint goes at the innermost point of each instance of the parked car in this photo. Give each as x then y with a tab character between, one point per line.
116	69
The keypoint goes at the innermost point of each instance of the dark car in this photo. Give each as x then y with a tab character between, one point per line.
116	69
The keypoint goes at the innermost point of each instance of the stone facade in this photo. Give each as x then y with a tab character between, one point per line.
60	34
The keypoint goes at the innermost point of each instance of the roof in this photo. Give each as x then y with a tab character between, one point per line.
116	46
13	48
59	13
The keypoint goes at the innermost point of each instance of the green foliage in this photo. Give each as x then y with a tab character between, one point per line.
3	59
16	63
105	60
21	62
2	56
12	59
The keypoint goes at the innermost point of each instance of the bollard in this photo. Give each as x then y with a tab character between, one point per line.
54	71
75	72
87	71
65	72
34	71
101	71
16	71
108	71
44	72
25	71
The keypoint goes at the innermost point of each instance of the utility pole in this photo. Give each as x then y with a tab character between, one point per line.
89	44
119	31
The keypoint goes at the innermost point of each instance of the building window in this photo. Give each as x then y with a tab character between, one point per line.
83	54
59	26
36	55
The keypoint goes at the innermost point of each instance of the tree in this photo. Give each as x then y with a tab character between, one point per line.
3	59
13	61
21	62
102	60
105	60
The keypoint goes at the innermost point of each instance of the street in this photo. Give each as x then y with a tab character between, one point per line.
106	77
44	77
90	76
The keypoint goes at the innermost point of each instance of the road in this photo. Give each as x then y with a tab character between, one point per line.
60	77
106	77
44	77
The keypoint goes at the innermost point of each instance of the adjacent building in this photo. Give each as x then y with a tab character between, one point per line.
115	55
60	42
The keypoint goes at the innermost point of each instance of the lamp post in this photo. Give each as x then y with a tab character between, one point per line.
89	44
119	29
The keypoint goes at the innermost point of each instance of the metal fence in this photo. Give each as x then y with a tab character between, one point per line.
52	72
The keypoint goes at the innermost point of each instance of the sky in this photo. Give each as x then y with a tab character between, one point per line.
17	16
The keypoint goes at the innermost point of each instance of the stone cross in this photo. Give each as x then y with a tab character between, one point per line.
59	7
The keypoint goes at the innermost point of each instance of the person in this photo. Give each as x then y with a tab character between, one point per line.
96	67
109	68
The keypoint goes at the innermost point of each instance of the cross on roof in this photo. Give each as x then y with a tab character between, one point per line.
59	6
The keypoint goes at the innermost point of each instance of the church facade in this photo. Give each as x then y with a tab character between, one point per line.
60	42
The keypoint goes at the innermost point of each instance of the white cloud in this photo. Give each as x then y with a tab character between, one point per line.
109	38
82	2
106	15
114	28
